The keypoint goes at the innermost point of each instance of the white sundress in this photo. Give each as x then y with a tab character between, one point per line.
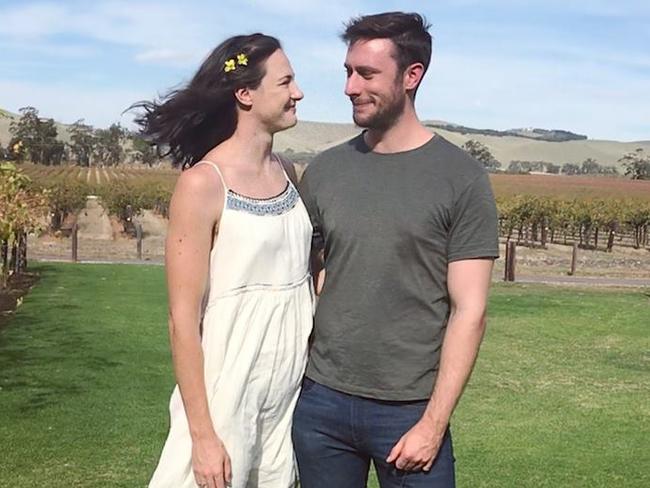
256	326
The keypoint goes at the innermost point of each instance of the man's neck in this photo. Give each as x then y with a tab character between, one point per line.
405	134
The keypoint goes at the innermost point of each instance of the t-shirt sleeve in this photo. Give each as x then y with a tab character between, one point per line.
309	199
474	226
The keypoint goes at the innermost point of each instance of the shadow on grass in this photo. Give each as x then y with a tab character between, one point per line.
39	349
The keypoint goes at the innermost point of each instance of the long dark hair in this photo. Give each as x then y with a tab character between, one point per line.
188	122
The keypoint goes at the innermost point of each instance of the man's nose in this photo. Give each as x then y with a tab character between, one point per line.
352	85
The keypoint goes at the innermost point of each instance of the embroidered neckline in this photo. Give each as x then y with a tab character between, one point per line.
277	205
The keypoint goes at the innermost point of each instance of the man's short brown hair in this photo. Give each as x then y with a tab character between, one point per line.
408	31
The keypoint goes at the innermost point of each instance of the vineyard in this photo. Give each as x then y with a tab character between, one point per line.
534	210
97	176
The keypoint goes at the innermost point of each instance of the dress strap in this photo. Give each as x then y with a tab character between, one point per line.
281	161
216	168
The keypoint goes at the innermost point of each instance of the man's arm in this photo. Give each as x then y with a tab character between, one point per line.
318	268
317	257
468	283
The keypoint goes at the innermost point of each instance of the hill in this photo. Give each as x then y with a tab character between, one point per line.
553	146
317	136
7	117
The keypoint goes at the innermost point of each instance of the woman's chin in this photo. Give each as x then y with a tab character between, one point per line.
289	121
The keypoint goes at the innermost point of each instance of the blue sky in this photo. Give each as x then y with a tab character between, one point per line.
576	65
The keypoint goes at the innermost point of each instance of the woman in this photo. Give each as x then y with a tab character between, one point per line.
237	251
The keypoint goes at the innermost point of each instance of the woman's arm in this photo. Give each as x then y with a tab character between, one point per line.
195	208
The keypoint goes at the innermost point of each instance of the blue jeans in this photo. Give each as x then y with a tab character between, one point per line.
336	435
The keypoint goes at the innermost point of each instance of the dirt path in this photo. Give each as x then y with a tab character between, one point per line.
93	221
583	280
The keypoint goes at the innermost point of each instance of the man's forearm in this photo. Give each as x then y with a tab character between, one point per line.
459	350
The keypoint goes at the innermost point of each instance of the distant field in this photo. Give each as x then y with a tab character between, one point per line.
96	175
504	185
570	186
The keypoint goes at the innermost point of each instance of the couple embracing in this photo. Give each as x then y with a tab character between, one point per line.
394	230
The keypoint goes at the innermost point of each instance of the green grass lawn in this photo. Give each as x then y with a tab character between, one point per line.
559	398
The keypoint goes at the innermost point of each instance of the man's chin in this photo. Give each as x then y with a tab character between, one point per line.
361	121
369	122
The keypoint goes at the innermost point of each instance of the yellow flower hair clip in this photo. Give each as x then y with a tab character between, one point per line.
229	65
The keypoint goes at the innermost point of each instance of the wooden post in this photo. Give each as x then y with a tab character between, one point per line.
13	260
574	258
138	235
4	263
22	251
75	242
510	261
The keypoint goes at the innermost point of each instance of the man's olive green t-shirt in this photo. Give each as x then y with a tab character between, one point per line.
389	225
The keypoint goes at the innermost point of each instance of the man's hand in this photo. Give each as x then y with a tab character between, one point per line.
417	449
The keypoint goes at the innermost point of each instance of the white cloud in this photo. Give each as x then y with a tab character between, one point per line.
173	56
33	21
581	97
67	103
488	71
151	28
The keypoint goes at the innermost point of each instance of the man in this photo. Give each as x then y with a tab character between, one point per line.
408	230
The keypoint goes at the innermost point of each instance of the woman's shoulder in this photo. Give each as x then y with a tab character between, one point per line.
199	186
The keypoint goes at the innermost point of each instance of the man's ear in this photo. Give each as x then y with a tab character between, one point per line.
413	75
243	96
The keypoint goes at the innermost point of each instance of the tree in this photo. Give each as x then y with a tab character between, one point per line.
83	142
518	167
25	134
570	169
51	150
35	138
108	147
537	166
481	153
609	170
553	169
590	167
145	152
637	165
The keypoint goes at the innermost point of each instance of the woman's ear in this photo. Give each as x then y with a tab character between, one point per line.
243	97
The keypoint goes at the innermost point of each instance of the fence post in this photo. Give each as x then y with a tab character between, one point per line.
4	263
574	258
75	242
22	251
14	261
138	235
510	261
